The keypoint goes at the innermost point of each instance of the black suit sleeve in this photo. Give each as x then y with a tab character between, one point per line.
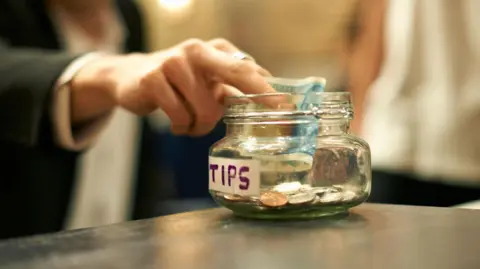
27	80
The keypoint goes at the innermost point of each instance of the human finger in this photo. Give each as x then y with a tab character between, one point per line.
228	95
238	73
227	47
166	97
205	110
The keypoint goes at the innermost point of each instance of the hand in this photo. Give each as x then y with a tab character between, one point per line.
188	82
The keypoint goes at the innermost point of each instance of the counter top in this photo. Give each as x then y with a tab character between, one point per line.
370	236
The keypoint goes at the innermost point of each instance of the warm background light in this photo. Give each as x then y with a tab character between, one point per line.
292	38
175	5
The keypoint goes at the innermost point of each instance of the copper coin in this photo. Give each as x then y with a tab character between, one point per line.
273	199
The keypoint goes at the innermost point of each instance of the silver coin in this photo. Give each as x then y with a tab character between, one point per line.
317	200
330	198
288	187
337	188
236	198
321	190
301	198
349	196
306	187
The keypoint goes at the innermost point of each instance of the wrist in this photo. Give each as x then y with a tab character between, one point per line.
93	90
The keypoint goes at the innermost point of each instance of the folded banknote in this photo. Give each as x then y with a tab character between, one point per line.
299	88
302	91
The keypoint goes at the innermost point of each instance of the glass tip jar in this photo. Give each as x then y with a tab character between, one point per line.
279	161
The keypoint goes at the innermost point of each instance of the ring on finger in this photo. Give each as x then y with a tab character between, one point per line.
242	56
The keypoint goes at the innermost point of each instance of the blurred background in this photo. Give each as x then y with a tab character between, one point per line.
291	38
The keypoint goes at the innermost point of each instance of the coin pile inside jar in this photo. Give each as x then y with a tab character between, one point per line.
290	194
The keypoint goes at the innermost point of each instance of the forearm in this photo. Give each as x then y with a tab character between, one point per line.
27	79
91	91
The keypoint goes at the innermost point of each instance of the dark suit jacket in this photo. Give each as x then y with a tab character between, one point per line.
36	177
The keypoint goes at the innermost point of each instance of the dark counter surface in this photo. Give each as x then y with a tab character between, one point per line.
371	236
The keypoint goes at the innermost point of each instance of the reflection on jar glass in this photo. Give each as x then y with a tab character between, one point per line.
278	161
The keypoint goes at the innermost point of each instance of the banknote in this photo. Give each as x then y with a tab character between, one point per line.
300	89
303	93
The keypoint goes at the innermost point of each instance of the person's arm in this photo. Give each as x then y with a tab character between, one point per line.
69	131
365	55
188	81
27	80
36	102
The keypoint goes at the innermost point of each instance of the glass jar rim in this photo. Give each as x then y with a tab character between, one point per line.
322	105
337	95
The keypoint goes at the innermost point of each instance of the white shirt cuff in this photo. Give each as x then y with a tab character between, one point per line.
65	137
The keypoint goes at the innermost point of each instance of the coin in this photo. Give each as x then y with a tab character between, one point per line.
235	198
306	187
301	198
331	197
254	198
349	196
288	187
321	190
337	187
273	199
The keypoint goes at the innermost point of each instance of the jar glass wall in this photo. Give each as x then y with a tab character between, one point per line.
278	161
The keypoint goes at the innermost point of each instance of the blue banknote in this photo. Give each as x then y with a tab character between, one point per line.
303	91
300	89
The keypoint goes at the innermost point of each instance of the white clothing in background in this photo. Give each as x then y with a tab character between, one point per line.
423	112
104	181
